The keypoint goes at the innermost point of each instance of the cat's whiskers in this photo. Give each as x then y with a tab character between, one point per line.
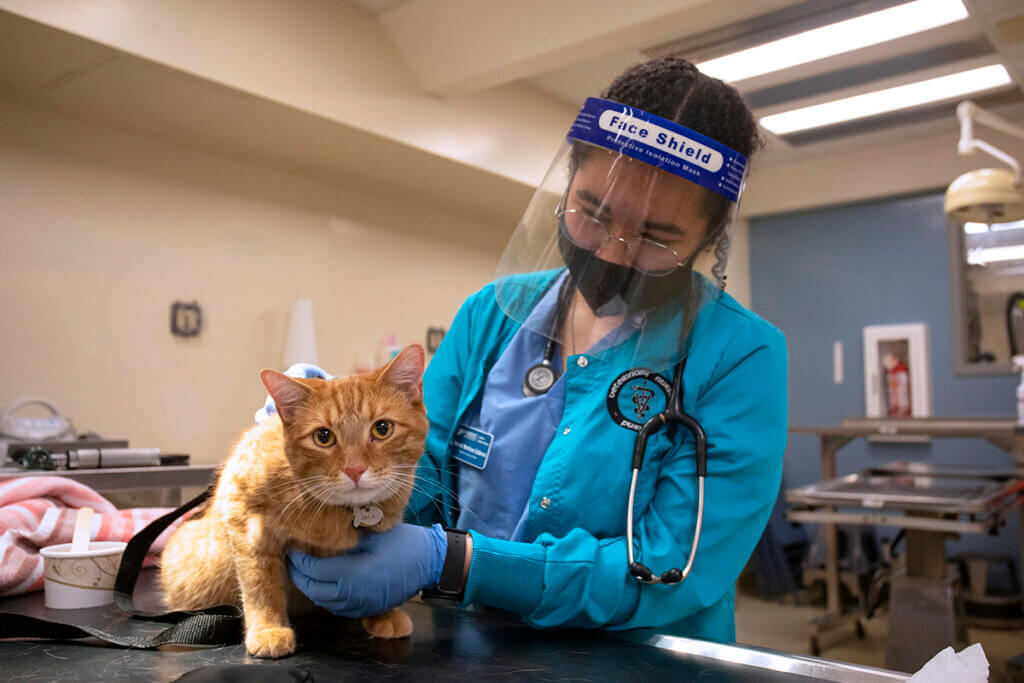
315	500
410	480
439	487
392	487
305	501
296	488
319	507
321	501
396	481
304	492
440	500
276	488
284	510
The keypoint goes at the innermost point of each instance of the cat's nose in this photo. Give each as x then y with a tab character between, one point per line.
354	473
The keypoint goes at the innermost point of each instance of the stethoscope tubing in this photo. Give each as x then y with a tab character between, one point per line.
696	531
673	413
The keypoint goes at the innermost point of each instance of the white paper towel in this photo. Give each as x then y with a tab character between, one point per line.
970	665
300	345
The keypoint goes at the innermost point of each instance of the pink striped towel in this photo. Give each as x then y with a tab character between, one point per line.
39	511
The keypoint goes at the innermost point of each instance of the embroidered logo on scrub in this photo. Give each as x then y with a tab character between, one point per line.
636	395
472	446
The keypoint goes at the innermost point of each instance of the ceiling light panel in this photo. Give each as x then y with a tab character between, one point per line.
984	256
944	58
903	124
942	88
838	38
1015	225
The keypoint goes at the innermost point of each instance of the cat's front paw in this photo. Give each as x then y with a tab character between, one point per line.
393	624
271	642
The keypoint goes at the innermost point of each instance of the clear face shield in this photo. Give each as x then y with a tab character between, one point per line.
625	239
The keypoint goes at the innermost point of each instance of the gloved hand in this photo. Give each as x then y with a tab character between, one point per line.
380	573
304	370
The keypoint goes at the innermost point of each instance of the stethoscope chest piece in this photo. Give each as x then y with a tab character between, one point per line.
539	379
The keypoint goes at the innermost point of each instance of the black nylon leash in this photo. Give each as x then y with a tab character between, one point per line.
220	625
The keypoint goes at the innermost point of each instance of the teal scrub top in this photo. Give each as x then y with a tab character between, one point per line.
570	568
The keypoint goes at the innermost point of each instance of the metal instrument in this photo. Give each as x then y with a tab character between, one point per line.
86	453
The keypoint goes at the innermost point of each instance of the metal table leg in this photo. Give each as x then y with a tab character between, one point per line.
828	471
834	616
926	612
1020	542
1018	458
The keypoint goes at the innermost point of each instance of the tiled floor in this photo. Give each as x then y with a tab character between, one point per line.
783	627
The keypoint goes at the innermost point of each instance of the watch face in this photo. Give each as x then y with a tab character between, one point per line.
539	379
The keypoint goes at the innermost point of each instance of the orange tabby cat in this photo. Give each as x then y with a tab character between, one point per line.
293	481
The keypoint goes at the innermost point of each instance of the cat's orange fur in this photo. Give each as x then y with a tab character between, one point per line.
280	489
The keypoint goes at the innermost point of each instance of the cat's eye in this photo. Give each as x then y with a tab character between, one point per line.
323	437
382	429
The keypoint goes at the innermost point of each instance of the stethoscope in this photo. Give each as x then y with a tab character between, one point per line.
541	377
672	413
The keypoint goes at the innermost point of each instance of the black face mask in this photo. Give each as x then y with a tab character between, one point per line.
613	289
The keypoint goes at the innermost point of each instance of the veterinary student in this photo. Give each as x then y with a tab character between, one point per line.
537	392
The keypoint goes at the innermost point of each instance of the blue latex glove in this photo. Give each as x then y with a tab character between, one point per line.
304	370
380	573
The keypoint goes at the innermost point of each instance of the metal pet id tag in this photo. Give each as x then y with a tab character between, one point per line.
366	515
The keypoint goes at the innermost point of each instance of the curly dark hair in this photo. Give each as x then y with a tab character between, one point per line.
675	89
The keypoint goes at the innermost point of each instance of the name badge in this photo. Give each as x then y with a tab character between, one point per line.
472	446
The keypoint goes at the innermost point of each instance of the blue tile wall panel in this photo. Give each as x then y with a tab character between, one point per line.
822	276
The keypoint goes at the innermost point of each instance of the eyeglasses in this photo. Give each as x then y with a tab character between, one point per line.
646	255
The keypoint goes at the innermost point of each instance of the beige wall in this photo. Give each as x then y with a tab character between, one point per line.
854	173
737	272
329	58
101	230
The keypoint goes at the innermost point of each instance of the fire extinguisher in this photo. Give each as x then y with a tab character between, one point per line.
897	380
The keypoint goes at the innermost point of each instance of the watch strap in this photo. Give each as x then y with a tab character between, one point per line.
452	585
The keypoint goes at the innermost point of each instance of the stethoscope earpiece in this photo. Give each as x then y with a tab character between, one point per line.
642	573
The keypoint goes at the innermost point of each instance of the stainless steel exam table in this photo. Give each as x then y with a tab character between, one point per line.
930	504
447	644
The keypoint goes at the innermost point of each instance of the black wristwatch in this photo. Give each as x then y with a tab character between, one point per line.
451	589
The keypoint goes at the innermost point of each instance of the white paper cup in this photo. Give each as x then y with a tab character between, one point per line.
77	580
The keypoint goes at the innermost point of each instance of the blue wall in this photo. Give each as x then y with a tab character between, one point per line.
822	276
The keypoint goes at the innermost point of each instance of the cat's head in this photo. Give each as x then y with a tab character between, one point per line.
354	440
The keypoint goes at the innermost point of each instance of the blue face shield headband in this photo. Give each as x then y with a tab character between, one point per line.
662	144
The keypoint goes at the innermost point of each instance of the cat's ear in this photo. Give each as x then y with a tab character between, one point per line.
405	372
288	393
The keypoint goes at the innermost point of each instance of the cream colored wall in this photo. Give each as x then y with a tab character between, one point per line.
330	58
866	172
100	230
737	272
